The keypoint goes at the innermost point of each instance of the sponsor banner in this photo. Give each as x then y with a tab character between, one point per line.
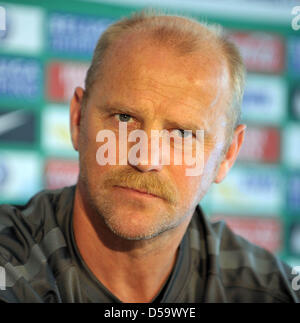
60	173
294	54
295	101
62	79
261	145
20	175
21	78
56	139
24	30
18	126
291	145
264	100
264	232
293	193
262	52
294	239
258	190
75	34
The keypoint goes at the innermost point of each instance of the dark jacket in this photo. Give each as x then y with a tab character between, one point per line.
42	263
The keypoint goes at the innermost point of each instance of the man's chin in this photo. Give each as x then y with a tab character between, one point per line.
132	219
136	228
134	236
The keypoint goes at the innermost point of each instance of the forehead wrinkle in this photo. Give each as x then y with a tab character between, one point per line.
180	107
203	84
194	105
153	82
198	83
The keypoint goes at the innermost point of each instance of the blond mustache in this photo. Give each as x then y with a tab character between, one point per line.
147	182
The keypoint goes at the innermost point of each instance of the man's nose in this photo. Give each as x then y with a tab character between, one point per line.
149	157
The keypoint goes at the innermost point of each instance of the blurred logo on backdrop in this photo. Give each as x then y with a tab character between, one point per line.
21	78
262	52
259	189
62	79
75	34
296	103
24	30
20	176
293	193
261	145
3	173
55	132
3	23
264	232
18	126
264	100
60	173
291	145
294	54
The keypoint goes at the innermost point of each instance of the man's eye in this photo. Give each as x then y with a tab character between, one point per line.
184	133
123	117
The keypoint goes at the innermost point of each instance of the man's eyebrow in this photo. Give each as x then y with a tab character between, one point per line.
186	125
119	108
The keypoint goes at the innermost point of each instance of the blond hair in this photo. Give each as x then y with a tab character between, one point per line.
186	36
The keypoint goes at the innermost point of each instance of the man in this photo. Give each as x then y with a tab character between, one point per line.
133	231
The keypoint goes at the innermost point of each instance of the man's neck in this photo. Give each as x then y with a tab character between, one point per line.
133	271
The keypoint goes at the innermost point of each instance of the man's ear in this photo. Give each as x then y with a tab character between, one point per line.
75	115
232	153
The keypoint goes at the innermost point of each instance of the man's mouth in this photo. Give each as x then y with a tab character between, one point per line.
140	191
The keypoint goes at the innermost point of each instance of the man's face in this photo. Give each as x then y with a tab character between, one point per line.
151	88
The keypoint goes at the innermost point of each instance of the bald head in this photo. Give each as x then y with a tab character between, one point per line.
186	38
